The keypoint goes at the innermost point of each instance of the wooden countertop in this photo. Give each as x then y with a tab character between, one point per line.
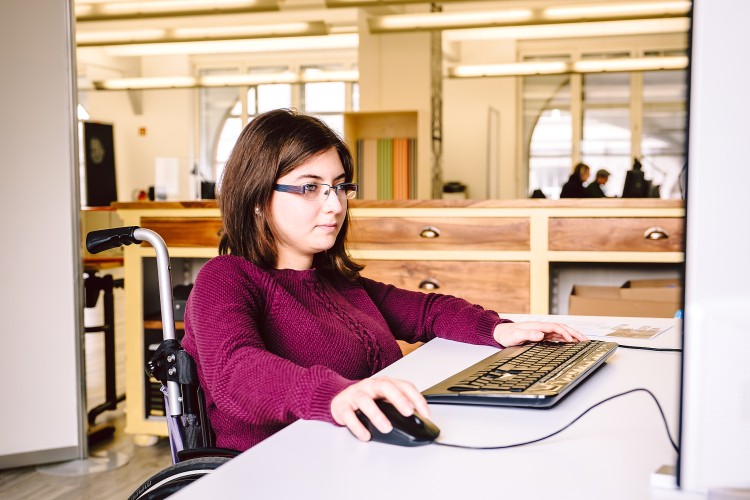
520	203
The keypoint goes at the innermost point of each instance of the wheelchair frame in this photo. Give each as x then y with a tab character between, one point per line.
190	435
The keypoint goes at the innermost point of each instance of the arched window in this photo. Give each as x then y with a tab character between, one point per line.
548	125
621	116
226	111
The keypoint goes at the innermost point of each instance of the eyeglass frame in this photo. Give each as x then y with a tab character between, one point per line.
301	190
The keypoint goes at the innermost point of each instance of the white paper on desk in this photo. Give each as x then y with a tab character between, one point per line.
602	326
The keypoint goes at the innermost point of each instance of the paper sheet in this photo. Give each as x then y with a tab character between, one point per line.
602	326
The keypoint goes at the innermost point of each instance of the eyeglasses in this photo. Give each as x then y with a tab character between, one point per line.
316	191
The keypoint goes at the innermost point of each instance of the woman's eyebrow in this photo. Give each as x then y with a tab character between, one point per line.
309	176
317	178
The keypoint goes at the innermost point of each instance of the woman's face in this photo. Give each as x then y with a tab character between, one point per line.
306	227
584	174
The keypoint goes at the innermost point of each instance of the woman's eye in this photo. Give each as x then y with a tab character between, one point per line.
310	188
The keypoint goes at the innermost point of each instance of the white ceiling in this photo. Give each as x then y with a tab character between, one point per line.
344	24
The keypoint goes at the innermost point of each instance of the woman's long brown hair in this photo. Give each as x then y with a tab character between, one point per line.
272	145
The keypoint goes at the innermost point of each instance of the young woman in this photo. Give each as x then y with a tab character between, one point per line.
281	324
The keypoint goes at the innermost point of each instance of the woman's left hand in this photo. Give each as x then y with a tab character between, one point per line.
508	334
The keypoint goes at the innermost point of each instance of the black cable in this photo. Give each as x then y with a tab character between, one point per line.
658	349
515	445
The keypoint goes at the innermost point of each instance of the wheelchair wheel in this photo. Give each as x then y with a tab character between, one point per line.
175	477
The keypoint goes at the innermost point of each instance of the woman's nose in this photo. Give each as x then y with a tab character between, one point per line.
333	201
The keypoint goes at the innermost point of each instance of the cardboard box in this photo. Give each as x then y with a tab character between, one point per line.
637	298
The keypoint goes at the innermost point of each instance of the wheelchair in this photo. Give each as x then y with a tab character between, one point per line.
191	438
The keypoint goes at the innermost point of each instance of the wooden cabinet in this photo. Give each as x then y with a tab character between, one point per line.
500	286
186	231
616	234
440	233
494	253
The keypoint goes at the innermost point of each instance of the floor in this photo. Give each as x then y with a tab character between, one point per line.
29	482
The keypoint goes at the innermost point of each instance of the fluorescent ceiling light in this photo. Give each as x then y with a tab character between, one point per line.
249	31
630	64
593	12
449	20
513	69
114	11
186	82
375	3
565	67
98	39
525	17
158	82
288	44
577	30
94	38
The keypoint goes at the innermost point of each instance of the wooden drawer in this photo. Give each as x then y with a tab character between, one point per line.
449	233
186	231
616	234
501	286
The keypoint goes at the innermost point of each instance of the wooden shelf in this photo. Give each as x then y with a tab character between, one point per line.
155	323
374	126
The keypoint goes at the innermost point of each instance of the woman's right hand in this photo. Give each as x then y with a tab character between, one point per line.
362	395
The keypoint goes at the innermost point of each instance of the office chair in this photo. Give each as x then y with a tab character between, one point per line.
191	438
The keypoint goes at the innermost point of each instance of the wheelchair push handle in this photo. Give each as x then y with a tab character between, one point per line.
98	241
106	239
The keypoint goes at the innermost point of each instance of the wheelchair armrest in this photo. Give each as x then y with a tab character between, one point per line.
183	455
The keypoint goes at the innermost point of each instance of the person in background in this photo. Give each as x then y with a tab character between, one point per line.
636	185
594	189
573	188
537	193
282	325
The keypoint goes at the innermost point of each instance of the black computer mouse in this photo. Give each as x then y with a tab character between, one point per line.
414	430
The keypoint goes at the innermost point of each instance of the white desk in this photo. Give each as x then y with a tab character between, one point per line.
609	453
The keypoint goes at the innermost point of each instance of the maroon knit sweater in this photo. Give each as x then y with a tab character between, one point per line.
273	346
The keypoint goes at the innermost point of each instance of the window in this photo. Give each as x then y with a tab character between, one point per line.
664	119
327	101
226	112
605	140
621	116
548	131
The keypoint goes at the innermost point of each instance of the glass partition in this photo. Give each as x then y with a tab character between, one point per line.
606	135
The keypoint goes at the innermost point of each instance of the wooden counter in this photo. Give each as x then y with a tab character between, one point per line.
496	253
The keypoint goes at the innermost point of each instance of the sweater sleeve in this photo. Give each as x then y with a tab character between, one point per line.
240	376
419	317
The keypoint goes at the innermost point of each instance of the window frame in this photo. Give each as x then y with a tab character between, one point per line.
576	49
208	165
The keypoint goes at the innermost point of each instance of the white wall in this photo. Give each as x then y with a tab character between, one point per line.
466	106
40	276
167	116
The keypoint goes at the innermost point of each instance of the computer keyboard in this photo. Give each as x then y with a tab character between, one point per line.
530	375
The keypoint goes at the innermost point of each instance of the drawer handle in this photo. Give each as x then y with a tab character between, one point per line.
429	284
656	233
429	232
